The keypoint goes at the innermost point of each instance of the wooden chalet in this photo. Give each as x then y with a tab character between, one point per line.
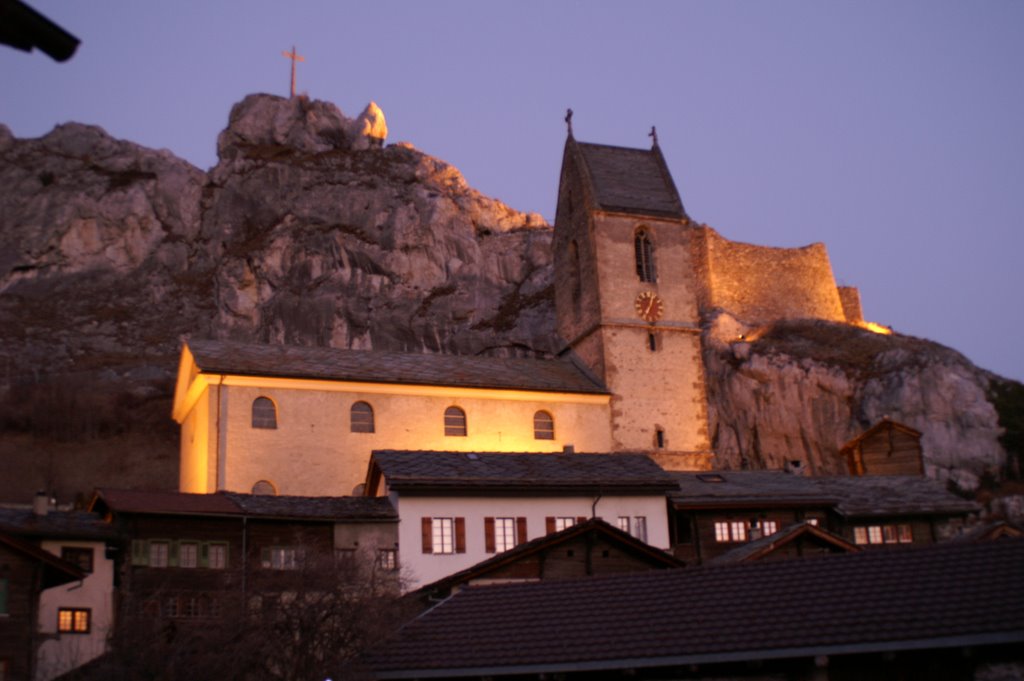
714	512
592	547
886	448
801	540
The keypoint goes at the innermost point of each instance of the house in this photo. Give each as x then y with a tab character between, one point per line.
713	512
73	619
195	559
585	549
949	611
303	421
457	509
886	448
26	573
801	540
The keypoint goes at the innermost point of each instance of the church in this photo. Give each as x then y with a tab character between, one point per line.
635	280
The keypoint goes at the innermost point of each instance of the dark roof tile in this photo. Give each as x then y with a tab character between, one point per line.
292	361
230	503
55	524
631	180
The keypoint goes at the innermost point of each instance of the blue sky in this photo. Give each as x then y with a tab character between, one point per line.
889	130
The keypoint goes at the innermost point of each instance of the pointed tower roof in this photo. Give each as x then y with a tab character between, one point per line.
628	180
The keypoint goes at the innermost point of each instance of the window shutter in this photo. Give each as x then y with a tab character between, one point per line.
172	554
460	535
581	519
140	552
549	524
427	526
489	535
520	531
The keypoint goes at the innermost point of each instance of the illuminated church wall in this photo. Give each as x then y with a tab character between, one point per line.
313	451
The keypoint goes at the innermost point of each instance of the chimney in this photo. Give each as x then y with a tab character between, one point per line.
568	449
41	503
795	467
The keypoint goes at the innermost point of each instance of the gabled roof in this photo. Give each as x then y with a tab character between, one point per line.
56	571
407	471
851	496
938	596
991	531
759	548
630	180
656	558
884	424
251	505
292	361
55	524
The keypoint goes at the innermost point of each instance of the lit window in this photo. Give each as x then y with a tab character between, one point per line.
543	426
623	523
769	527
874	534
454	422
188	555
644	249
721	531
387	559
80	556
280	558
889	534
812	521
442	535
73	620
905	534
564	523
640	528
217	556
730	531
504	534
738	529
264	413
264	488
361	416
158	553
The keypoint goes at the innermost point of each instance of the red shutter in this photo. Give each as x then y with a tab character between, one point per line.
428	535
460	535
489	535
581	519
520	531
549	524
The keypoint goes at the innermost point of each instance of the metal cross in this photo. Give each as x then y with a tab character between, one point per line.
294	56
653	134
568	120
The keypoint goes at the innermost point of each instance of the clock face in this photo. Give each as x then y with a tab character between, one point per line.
649	306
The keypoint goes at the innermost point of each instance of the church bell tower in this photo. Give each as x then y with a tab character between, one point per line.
626	297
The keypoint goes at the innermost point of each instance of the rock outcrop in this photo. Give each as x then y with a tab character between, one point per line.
309	231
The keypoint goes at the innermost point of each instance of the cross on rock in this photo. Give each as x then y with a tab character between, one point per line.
295	57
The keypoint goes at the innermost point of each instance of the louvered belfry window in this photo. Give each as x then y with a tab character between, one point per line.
264	413
361	418
644	248
454	422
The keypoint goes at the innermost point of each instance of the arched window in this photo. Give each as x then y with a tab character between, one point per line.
454	422
644	248
361	418
543	426
264	413
264	488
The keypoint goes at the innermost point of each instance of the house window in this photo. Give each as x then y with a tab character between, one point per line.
264	488
73	620
659	438
80	556
502	534
769	527
454	422
345	556
812	521
217	556
906	535
730	530
543	426
361	416
874	534
564	523
280	557
159	553
387	559
169	606
652	341
883	534
444	535
644	249
640	528
264	413
188	555
623	523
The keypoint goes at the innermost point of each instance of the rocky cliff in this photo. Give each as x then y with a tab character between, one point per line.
309	231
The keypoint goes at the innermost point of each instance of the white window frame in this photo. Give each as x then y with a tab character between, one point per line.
159	554
504	534
188	554
442	535
564	522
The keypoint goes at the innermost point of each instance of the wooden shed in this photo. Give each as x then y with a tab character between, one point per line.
886	448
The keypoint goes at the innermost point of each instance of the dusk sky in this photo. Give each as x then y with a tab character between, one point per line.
892	131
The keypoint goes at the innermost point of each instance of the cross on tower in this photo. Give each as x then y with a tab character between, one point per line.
294	56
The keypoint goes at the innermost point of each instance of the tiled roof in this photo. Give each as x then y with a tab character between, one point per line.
56	570
522	472
229	503
851	496
765	545
942	595
324	508
55	524
292	361
631	180
654	556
